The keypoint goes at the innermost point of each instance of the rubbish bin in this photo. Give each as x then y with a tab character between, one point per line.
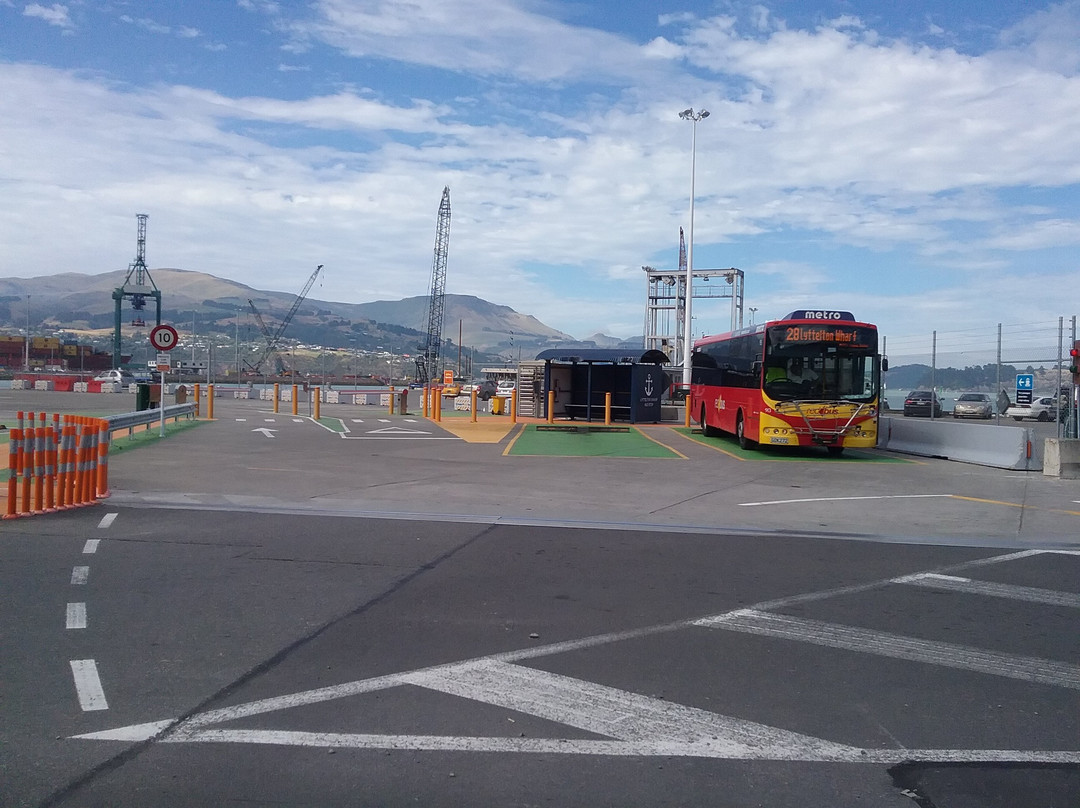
142	397
404	409
498	405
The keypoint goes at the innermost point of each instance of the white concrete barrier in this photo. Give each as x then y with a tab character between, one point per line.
1005	447
1061	458
80	387
42	384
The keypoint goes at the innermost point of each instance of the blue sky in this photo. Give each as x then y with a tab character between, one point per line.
916	163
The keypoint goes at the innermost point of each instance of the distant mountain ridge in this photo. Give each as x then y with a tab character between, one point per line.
76	301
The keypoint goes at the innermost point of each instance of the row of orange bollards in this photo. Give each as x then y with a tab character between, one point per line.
56	466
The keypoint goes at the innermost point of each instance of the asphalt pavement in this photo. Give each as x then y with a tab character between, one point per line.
270	610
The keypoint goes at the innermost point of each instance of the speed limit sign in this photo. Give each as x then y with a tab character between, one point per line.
163	337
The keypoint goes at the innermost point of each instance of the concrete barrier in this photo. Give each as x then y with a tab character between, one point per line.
1061	458
1005	447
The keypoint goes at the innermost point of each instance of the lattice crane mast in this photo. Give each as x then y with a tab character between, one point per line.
138	285
274	339
427	364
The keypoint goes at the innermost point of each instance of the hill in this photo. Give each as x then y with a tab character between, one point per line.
82	303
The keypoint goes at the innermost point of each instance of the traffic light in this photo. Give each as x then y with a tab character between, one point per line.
1074	362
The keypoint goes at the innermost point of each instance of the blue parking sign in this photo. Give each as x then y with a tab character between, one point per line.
1025	381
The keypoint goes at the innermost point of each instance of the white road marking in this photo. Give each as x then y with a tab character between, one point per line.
843	499
298	420
241	420
384	421
76	615
358	420
91	546
270	420
88	685
79	575
897	646
107	520
1028	594
267	432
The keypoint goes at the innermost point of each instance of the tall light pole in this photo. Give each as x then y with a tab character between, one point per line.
26	345
693	117
753	311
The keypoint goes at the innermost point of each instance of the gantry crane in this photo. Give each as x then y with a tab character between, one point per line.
274	339
138	285
427	364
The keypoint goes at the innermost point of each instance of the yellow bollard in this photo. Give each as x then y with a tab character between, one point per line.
551	407
437	403
210	402
513	406
296	399
424	395
318	403
607	409
277	396
391	399
688	401
198	400
472	405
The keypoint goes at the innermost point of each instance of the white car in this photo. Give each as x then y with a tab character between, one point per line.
115	377
1042	408
506	388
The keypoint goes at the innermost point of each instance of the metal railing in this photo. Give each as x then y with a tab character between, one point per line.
130	420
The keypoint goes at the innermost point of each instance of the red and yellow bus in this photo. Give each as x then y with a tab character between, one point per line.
809	379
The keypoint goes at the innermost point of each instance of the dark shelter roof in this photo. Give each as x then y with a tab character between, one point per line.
615	356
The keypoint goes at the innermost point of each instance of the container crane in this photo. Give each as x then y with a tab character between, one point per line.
427	364
138	285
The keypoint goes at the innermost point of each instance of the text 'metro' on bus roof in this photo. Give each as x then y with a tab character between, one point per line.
821	314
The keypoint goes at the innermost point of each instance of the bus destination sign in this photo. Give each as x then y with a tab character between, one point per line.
838	335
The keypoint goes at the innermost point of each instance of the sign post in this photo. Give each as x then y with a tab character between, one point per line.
164	339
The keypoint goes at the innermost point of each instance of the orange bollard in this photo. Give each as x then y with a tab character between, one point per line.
318	403
210	402
103	460
39	468
63	488
391	399
50	470
26	461
14	441
607	408
198	400
513	406
295	399
277	396
551	407
688	402
472	405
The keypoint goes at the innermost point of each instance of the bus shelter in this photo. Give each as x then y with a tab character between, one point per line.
581	378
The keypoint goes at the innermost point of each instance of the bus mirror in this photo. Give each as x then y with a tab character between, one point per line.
884	364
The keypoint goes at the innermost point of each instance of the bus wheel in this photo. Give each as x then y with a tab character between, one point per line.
835	451
740	433
706	430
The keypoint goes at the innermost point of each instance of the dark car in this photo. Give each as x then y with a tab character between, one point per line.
919	402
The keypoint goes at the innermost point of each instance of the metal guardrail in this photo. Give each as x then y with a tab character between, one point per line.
130	420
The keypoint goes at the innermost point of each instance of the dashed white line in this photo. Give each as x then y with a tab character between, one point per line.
88	685
91	546
107	520
79	575
76	615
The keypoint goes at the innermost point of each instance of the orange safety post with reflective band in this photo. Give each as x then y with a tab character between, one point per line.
103	460
26	463
14	441
63	488
50	469
39	468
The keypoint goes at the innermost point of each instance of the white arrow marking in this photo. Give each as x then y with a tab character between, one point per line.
267	431
397	430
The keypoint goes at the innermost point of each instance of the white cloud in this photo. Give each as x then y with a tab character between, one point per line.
55	14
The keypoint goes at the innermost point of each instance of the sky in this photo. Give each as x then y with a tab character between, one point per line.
915	163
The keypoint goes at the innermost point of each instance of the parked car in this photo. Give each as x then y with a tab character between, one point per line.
918	402
124	377
506	388
1041	408
973	405
484	389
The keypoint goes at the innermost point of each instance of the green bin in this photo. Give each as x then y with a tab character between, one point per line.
142	397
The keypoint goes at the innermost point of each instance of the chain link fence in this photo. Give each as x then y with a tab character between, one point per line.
987	359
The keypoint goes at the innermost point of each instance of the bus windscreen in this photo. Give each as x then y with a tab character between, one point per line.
820	362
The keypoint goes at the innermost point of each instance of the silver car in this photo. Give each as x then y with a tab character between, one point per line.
973	405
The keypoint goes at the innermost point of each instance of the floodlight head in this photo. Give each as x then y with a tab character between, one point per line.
686	113
704	113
